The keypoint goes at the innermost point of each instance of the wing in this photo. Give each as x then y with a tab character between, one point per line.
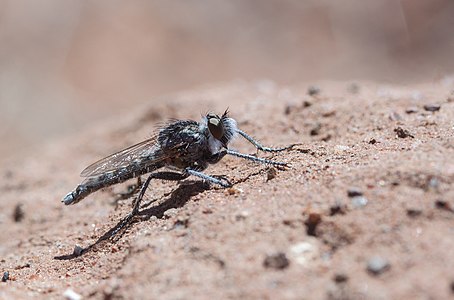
146	153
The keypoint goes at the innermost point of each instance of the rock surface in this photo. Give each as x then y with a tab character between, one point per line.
215	255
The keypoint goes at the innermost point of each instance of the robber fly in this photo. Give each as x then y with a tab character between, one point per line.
182	147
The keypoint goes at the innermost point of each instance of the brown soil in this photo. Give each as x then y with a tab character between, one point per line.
366	211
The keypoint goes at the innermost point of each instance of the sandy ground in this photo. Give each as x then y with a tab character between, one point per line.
366	211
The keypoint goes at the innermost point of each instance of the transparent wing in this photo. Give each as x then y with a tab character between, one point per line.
146	152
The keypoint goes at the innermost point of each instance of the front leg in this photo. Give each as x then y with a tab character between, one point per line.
258	159
219	180
260	146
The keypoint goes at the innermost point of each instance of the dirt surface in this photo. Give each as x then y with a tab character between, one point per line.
366	211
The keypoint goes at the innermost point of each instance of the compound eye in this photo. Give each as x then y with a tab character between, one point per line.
215	126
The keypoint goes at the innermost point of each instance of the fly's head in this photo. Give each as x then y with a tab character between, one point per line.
221	128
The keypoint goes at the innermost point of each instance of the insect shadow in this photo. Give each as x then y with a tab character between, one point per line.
178	198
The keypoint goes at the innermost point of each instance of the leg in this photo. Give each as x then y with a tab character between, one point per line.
219	181
257	159
260	146
158	175
172	176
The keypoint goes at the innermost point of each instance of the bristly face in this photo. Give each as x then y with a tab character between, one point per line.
223	129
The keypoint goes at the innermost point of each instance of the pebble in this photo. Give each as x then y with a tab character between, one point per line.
304	252
353	88
242	215
359	201
340	278
414	212
171	212
432	107
78	250
441	204
394	116
5	276
315	129
411	110
313	90
337	208
71	295
271	173
377	265
311	223
402	133
354	192
18	214
276	261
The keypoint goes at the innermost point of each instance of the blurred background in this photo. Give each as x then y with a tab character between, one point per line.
67	64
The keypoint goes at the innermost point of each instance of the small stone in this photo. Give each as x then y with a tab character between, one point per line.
441	204
414	212
411	110
340	278
311	223
315	129
242	215
402	133
432	107
304	252
359	201
71	295
394	116
306	103
18	214
313	90
271	173
276	261
78	250
337	209
182	222
233	190
353	88
377	265
354	192
171	212
5	276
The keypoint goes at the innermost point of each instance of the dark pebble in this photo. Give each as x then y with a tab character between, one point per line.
313	90
311	223
271	173
18	214
413	212
78	250
276	261
5	276
402	133
337	209
441	204
377	265
340	278
316	129
306	103
411	110
432	107
354	192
